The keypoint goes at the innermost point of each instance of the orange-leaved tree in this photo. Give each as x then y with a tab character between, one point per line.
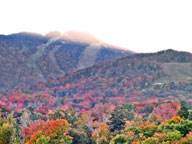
53	131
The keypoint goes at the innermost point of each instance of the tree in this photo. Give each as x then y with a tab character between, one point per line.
81	135
183	126
128	111
43	140
116	121
82	129
102	133
150	140
9	130
148	129
6	133
70	114
53	131
173	135
119	139
190	115
185	140
127	106
183	112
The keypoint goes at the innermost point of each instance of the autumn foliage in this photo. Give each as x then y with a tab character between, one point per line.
54	131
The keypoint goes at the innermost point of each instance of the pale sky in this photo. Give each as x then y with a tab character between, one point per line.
138	25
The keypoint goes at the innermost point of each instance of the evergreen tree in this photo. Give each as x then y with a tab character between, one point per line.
183	112
128	111
190	115
116	121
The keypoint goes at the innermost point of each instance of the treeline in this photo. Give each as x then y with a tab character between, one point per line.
136	123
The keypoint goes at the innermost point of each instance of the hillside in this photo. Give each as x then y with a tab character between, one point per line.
28	58
161	76
142	98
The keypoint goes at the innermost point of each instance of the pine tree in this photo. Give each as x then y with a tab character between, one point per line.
183	112
116	121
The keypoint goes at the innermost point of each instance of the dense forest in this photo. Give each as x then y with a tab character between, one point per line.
139	99
131	123
28	58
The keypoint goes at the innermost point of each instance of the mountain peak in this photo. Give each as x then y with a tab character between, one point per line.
50	56
28	34
53	34
83	37
75	36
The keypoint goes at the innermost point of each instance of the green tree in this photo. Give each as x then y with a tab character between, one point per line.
183	126
128	111
82	130
81	135
70	114
10	131
43	140
116	121
119	139
151	140
183	112
148	129
128	106
190	115
6	133
173	135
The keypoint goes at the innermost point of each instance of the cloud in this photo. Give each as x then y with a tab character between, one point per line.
83	37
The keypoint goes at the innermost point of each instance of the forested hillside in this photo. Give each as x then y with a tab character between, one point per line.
139	99
28	58
131	123
136	78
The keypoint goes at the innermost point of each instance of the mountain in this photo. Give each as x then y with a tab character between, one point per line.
144	97
28	58
165	75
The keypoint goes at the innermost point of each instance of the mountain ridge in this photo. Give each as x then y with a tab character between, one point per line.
134	78
28	58
158	77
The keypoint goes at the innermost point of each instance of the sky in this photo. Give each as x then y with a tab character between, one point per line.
138	25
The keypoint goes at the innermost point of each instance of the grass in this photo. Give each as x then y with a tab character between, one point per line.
176	72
